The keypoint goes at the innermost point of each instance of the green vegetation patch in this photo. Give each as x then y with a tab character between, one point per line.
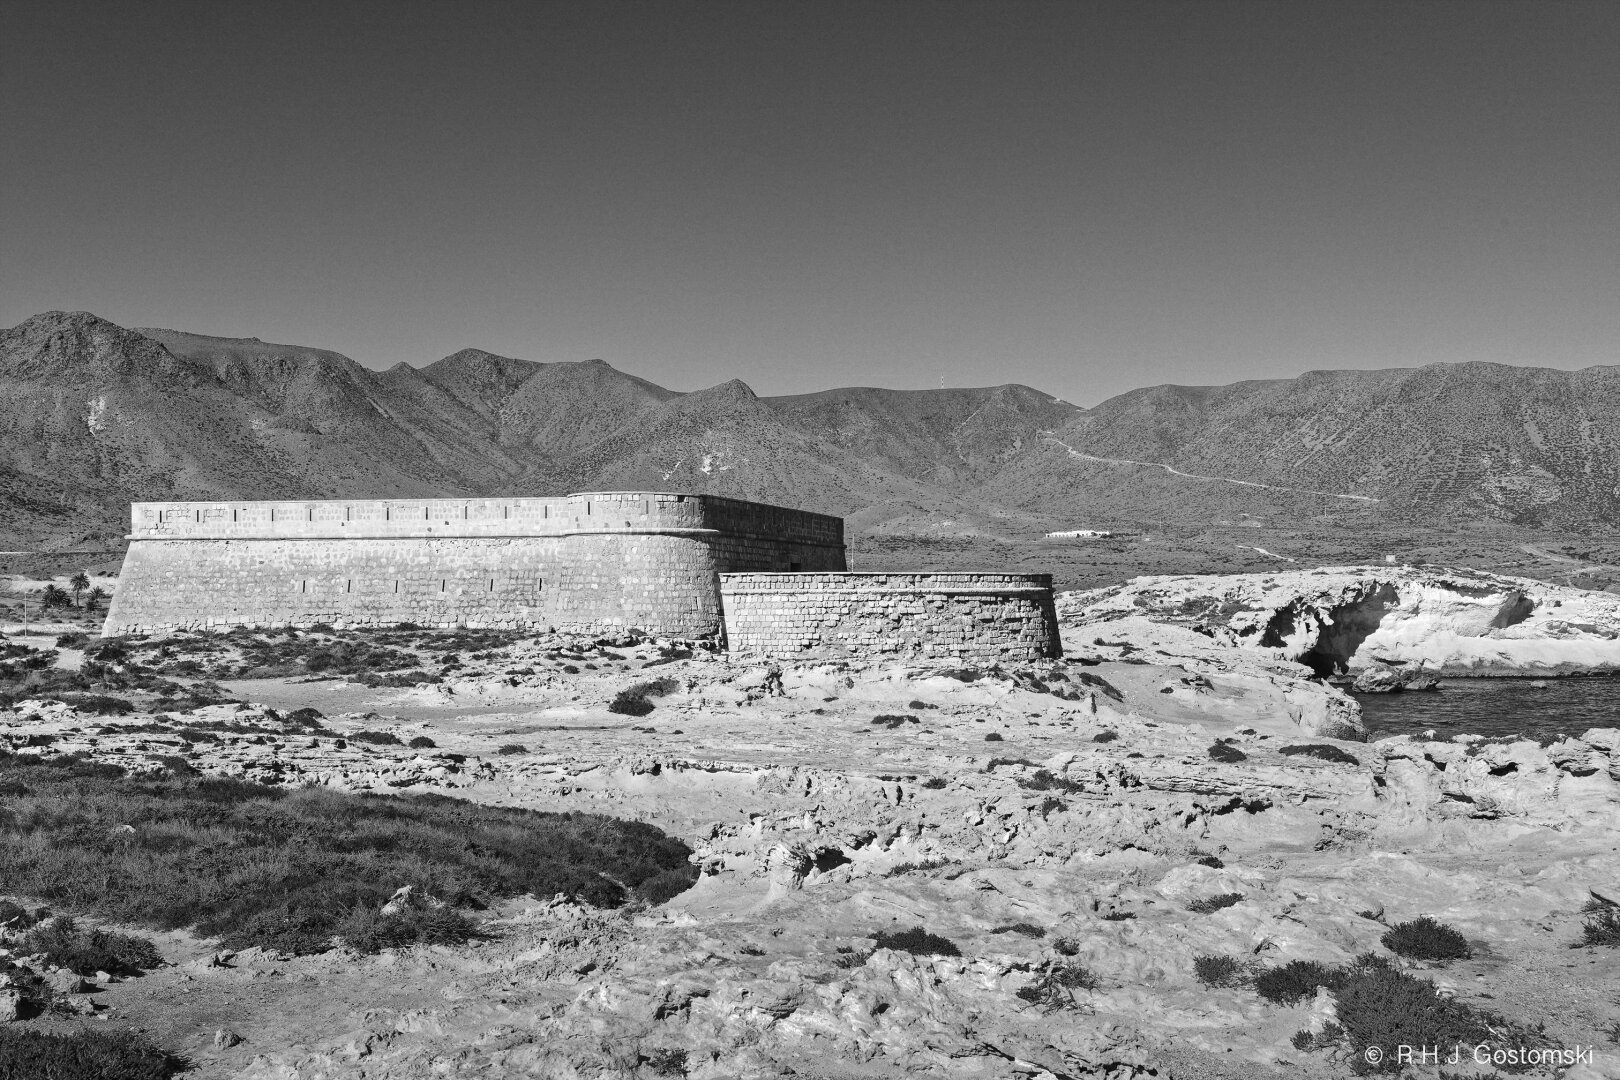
26	1054
63	943
916	941
636	699
289	870
1381	1009
1425	938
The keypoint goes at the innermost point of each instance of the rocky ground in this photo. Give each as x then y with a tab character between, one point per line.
1063	815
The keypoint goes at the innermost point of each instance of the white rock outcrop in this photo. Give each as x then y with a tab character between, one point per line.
1348	619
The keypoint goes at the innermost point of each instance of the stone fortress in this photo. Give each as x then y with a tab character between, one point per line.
765	578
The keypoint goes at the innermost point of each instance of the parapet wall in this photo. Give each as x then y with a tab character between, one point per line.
986	618
590	562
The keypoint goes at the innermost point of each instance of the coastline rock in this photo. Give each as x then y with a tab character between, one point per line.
1348	619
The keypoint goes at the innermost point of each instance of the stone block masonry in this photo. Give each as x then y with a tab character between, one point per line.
982	618
590	562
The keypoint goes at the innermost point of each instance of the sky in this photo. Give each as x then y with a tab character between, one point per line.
1083	197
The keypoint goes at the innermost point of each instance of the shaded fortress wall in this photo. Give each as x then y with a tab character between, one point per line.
978	617
595	562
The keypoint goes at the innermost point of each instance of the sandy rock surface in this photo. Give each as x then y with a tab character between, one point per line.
1062	813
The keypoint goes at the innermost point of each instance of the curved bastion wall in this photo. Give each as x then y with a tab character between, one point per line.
589	562
980	617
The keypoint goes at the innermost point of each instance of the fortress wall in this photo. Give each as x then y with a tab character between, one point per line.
985	618
597	562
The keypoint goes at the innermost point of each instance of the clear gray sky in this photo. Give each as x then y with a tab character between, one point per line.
1085	197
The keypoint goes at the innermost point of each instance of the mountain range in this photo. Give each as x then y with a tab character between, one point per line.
94	415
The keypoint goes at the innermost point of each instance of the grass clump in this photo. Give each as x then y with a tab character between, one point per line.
64	944
1219	971
258	865
934	783
1321	751
1208	905
512	748
1425	938
917	942
26	1054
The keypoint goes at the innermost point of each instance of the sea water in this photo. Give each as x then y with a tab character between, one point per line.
1540	709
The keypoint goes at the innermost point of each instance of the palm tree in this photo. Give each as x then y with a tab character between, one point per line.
96	596
78	583
54	597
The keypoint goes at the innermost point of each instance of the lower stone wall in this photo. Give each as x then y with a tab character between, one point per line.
985	618
663	584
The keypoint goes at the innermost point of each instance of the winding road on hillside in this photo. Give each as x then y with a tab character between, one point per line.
1217	479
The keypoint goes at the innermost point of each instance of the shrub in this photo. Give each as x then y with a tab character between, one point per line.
909	705
1054	988
917	942
1117	916
1226	753
1425	938
1323	751
284	869
1294	981
73	639
365	929
914	867
1046	781
513	748
1218	971
97	704
934	783
422	742
1602	927
83	1055
1209	904
396	679
1105	736
1066	946
629	703
633	699
892	720
376	738
1380	1006
1029	930
1331	1033
994	736
1210	861
88	951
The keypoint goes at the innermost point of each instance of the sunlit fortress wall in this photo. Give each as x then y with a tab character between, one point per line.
596	561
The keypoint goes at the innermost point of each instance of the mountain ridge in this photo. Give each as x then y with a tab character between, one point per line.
97	415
